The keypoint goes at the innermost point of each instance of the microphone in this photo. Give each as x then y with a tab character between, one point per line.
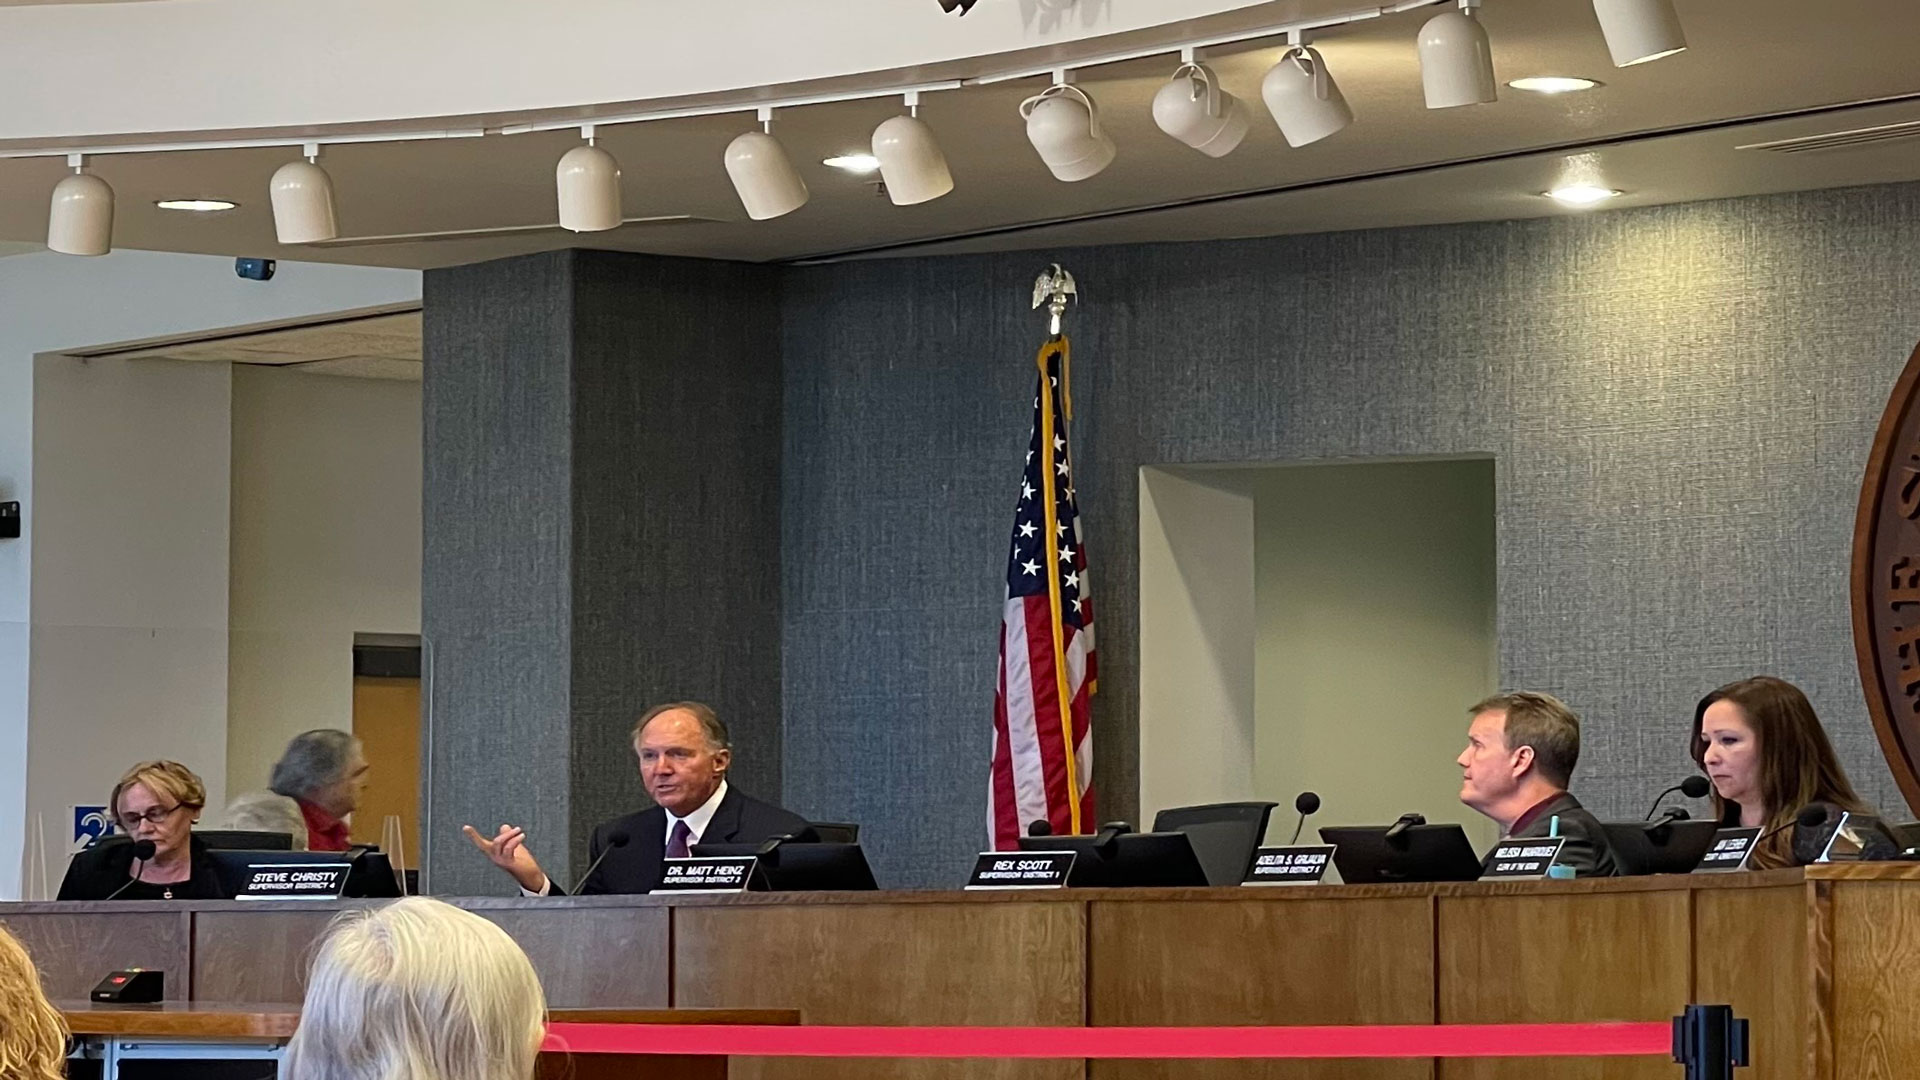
1040	827
1407	821
617	839
1807	818
1693	787
142	851
1108	837
1306	803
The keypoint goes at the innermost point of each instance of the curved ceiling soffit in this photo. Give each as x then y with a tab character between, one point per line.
154	70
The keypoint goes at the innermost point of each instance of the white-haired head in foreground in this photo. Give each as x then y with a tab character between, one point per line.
418	990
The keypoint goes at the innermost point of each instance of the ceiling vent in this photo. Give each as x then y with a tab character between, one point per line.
1840	140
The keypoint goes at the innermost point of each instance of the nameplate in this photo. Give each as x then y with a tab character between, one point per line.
1021	870
294	881
1297	864
709	874
1729	851
1522	858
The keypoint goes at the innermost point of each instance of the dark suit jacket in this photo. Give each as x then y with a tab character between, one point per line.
1586	849
99	871
638	867
1808	842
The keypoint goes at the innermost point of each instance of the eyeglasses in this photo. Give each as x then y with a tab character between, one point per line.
153	816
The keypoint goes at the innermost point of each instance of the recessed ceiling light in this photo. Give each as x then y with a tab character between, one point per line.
203	206
1581	194
1554	84
860	163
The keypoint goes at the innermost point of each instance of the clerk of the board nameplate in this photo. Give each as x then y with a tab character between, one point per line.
1730	850
1523	858
317	880
708	874
1021	870
1294	864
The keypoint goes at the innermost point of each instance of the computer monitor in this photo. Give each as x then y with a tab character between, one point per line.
371	875
802	867
1365	855
1668	847
244	840
1135	860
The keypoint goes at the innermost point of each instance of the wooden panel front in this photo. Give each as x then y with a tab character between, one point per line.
1751	950
255	954
76	947
969	963
1875	1007
1562	955
1261	961
592	957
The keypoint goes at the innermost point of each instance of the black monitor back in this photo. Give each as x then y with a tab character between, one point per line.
1670	847
803	867
835	832
1224	835
244	840
1365	856
371	875
1136	860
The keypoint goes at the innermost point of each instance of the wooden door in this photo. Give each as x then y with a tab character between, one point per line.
386	719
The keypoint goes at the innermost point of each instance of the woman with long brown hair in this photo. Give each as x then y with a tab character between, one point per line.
1760	743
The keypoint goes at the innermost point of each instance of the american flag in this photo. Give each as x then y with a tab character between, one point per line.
1042	750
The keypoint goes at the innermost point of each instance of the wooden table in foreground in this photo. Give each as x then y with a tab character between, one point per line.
1825	961
274	1024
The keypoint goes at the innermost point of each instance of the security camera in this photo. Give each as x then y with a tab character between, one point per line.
254	269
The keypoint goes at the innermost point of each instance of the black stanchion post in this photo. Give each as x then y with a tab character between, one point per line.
1709	1042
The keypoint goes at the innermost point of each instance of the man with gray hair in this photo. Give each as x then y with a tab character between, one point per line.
324	771
684	752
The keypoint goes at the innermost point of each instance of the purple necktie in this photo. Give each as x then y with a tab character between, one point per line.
677	840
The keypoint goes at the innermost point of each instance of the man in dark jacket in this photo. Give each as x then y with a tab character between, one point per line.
1521	750
684	753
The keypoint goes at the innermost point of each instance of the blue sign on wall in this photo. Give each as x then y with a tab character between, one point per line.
91	824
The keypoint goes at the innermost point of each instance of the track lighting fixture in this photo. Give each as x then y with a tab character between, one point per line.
1063	124
587	181
1456	60
302	197
762	173
911	165
1639	30
80	219
1302	96
1192	108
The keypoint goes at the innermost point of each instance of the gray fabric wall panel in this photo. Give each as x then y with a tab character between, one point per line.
677	509
603	469
495	606
1679	401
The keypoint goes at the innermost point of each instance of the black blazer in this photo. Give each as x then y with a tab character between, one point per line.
638	867
1586	849
1809	841
95	874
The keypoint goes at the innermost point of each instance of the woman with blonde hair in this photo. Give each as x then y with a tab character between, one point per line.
33	1036
418	990
155	805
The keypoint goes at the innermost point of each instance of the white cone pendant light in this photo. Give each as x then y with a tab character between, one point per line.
1639	30
587	181
80	218
1192	108
911	164
1456	60
762	173
302	197
1063	124
1303	98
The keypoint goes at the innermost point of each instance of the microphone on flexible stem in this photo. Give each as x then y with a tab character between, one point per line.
1108	838
1306	803
1406	821
142	851
1807	818
614	840
1693	787
1040	827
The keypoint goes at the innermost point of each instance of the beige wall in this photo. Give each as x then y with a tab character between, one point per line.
1376	591
326	543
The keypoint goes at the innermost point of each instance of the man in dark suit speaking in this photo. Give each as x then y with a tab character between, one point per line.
684	754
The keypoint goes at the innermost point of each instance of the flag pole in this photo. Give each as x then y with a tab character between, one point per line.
1055	287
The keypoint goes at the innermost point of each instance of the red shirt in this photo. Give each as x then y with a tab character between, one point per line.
324	831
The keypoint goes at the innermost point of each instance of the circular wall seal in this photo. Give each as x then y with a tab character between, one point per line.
1886	582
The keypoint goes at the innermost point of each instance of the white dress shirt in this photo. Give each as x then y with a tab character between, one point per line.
697	823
